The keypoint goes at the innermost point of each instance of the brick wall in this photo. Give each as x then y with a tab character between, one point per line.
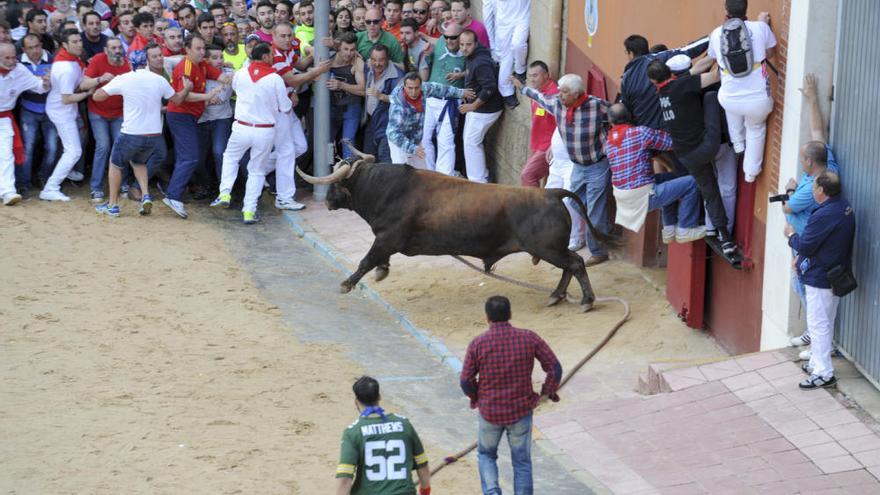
773	147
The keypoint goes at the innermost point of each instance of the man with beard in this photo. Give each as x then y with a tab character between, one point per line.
484	111
305	31
234	54
14	80
186	17
37	24
266	19
414	46
105	117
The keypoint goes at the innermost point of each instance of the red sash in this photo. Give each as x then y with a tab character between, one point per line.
17	144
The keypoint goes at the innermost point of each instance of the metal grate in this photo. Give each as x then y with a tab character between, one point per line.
856	144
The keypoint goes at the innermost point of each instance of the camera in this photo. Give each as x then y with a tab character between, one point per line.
779	198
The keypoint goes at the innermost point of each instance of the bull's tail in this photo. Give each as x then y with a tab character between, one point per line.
608	241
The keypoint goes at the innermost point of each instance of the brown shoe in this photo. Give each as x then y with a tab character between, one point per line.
596	260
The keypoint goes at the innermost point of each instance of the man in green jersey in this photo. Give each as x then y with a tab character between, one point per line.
380	450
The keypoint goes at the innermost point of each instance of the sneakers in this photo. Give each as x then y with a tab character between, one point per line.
11	199
576	245
75	176
288	205
684	235
107	209
807	368
96	197
805	355
146	205
123	191
815	382
249	217
222	201
728	248
801	340
668	234
711	233
53	196
511	101
176	207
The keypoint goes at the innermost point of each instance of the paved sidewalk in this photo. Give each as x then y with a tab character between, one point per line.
735	426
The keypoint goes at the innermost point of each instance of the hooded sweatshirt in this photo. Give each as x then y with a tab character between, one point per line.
483	79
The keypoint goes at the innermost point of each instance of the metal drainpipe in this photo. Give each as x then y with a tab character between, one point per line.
559	9
323	148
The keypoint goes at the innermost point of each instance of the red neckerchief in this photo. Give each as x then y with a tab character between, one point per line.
65	56
3	71
417	103
569	113
259	69
18	155
617	133
665	83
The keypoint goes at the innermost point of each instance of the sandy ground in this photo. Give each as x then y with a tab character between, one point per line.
137	357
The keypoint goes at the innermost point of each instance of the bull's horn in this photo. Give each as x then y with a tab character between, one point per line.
339	174
363	156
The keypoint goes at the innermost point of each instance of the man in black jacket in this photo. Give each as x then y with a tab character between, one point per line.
480	114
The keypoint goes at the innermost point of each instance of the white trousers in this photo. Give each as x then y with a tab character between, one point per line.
400	156
821	312
725	171
476	125
511	45
443	158
560	177
259	141
290	143
747	124
7	159
68	133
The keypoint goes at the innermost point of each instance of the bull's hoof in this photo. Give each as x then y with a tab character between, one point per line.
535	260
586	307
554	299
345	288
381	273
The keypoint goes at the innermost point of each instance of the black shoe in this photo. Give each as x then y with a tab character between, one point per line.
521	76
511	101
728	248
711	233
815	382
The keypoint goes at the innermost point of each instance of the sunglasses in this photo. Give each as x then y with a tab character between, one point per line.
372	21
451	37
420	11
407	12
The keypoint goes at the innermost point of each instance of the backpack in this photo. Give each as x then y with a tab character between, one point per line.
736	48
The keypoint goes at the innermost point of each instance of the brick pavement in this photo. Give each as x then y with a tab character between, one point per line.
735	426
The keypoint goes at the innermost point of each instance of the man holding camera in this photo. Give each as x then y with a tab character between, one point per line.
798	202
823	265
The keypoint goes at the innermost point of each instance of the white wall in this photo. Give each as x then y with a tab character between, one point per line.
811	48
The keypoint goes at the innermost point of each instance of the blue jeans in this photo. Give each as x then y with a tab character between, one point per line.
592	183
105	132
214	135
32	125
667	194
186	152
519	437
375	142
346	119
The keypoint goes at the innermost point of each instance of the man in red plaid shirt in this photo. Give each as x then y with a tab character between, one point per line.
497	376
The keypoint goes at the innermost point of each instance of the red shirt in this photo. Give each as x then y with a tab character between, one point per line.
140	43
434	33
168	53
198	74
395	30
503	357
543	122
283	61
111	108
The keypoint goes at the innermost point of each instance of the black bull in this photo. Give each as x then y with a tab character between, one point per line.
418	212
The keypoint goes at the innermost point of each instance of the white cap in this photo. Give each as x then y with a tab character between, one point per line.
679	63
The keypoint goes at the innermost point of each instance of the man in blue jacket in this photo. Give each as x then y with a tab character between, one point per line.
826	242
381	78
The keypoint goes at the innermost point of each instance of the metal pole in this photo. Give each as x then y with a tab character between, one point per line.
322	147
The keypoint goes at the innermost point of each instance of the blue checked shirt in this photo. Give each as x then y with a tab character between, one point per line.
405	122
585	136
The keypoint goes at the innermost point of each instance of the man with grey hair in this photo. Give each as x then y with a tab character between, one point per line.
580	119
15	79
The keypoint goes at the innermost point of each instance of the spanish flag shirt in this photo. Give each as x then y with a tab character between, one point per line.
197	73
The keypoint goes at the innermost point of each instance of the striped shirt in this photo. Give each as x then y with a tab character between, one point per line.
584	135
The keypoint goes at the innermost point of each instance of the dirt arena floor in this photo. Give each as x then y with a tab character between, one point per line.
136	357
